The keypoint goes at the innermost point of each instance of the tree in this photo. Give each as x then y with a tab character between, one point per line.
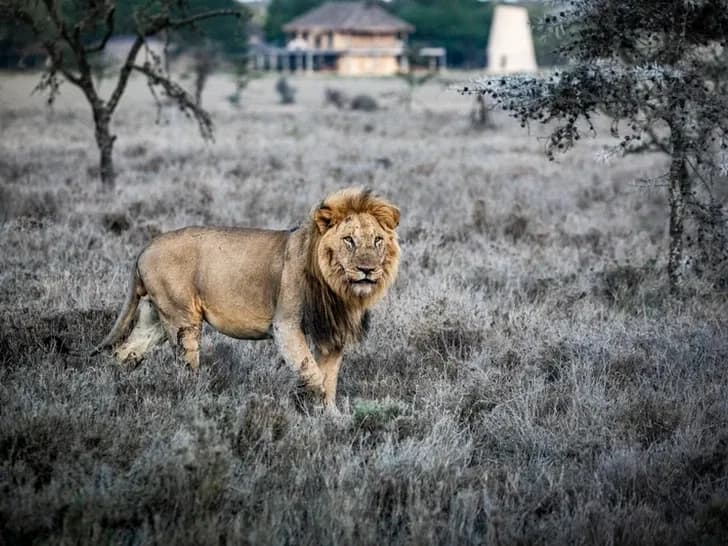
413	81
223	33
460	26
281	12
657	68
205	60
74	32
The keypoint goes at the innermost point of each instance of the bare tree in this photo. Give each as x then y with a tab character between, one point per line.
657	69
72	35
205	59
480	114
413	82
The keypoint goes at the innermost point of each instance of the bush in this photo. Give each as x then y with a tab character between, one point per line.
370	415
286	92
364	103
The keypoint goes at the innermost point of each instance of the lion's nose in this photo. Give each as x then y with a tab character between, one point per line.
365	270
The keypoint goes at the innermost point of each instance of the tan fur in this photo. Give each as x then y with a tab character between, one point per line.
314	283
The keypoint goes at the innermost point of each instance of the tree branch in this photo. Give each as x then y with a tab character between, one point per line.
183	99
109	22
165	22
58	23
158	24
125	72
50	47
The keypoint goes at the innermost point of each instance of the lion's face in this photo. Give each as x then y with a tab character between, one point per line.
358	251
358	247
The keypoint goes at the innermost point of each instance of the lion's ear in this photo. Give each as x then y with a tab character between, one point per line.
324	218
387	215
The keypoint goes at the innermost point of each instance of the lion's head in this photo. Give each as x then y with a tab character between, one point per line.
352	259
357	251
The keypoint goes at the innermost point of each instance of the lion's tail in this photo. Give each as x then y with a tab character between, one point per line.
126	315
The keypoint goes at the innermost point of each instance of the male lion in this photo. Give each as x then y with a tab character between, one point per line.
318	280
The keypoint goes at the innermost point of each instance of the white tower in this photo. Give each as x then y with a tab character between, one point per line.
510	46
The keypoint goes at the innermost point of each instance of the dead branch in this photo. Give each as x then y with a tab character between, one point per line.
181	97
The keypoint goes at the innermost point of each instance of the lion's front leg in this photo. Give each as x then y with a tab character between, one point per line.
292	344
329	362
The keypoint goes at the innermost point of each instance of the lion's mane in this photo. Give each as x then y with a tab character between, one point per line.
332	314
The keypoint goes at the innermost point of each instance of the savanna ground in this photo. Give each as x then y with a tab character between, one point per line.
528	379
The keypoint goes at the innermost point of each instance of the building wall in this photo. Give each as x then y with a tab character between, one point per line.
340	40
366	61
373	40
359	65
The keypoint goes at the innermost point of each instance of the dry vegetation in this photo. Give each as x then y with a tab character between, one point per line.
527	381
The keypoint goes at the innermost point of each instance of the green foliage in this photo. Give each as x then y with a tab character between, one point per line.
18	44
281	12
461	26
373	415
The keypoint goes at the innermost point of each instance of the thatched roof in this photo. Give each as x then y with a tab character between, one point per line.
348	16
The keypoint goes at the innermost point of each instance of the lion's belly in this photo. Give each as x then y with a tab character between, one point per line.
241	310
239	323
237	282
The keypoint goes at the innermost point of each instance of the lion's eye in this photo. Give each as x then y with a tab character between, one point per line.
378	241
349	241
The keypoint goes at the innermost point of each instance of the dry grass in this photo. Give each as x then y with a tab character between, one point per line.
527	381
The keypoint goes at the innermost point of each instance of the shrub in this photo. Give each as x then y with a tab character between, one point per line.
286	92
370	415
364	103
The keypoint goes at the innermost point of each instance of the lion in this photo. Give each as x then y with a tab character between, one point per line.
314	283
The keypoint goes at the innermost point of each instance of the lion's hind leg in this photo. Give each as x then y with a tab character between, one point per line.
147	333
188	344
183	329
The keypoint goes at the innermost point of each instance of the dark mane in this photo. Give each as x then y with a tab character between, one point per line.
326	318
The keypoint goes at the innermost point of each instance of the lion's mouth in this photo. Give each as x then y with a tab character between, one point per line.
365	281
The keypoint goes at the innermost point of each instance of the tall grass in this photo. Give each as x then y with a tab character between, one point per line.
528	380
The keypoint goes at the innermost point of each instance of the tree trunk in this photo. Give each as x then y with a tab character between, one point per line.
679	192
105	143
200	81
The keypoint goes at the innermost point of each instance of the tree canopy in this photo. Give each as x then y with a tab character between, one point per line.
281	12
228	33
657	68
18	43
460	26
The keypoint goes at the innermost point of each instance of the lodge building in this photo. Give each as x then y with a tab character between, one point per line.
349	38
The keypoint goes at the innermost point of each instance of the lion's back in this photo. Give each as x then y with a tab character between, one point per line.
232	274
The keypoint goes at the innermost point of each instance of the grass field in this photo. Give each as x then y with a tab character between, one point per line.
527	380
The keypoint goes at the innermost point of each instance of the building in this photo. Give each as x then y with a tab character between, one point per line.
350	38
510	45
